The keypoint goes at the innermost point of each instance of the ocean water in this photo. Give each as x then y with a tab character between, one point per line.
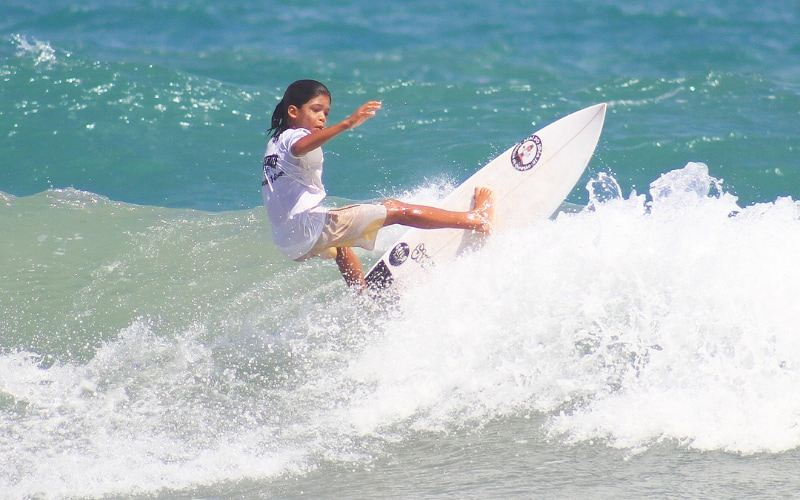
153	343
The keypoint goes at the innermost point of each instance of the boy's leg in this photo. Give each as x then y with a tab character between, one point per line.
350	267
480	218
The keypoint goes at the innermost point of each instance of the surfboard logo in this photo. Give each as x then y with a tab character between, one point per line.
421	257
526	154
399	254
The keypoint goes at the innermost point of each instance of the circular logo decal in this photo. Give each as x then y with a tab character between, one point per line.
527	153
399	254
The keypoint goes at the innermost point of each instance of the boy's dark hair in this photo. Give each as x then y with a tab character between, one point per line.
297	94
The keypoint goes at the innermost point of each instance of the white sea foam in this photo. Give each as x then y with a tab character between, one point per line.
146	413
42	52
640	321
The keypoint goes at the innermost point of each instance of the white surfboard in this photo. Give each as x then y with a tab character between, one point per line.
530	180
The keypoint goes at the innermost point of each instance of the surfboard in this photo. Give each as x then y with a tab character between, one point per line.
530	180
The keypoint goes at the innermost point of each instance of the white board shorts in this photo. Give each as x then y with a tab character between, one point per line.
351	226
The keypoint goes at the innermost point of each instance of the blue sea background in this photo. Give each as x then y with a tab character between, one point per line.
153	343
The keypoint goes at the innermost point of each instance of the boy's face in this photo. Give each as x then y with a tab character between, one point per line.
312	115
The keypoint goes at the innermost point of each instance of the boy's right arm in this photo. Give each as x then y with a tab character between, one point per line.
318	138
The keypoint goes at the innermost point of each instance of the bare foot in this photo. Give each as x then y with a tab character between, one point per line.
484	209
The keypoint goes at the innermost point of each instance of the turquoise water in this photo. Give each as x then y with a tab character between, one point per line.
153	344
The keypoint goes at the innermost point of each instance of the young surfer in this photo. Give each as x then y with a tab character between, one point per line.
293	191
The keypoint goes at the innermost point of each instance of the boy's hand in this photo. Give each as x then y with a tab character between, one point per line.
364	113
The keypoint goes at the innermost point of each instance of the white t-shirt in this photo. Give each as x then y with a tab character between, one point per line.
292	190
